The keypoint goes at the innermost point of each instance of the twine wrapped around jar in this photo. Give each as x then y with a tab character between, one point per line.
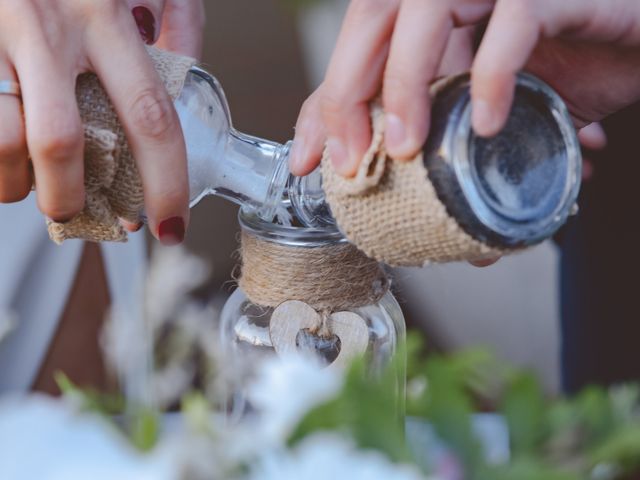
332	277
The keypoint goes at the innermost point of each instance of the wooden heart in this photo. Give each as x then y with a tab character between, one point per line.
292	317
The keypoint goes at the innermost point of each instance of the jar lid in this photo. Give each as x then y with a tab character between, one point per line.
291	235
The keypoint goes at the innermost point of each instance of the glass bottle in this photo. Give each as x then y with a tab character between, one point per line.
245	328
514	189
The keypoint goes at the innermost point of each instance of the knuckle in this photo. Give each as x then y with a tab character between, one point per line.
172	192
151	113
58	142
397	80
332	105
400	89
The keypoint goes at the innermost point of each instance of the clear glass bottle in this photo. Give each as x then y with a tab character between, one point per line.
246	328
511	190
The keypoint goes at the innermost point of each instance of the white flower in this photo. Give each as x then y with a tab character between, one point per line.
172	275
127	350
330	456
45	439
286	389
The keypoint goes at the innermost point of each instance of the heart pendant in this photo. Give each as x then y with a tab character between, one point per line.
296	326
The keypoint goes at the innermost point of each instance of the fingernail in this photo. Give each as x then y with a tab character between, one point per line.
339	156
297	156
171	231
484	119
146	24
395	135
131	226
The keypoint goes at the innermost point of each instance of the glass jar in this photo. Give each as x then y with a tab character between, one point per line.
251	330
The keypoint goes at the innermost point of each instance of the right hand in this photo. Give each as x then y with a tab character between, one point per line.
586	49
45	45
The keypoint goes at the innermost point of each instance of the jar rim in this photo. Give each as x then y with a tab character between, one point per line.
252	223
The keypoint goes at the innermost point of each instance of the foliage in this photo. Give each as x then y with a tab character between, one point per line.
300	411
593	435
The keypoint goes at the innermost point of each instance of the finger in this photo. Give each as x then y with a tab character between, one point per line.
308	142
182	27
354	78
150	122
148	16
511	37
485	262
458	54
420	38
54	130
593	137
131	227
15	177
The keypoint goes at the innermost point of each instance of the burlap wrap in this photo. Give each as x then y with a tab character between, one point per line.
113	187
333	277
391	211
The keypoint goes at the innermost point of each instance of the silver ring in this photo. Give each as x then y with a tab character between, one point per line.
9	87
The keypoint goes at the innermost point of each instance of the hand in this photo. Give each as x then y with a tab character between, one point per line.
583	48
45	45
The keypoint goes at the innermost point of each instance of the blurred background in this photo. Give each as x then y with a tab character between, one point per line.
269	55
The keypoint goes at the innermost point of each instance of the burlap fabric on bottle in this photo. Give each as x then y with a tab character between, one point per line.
392	212
113	187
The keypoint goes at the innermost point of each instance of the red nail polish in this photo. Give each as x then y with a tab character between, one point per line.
146	24
171	231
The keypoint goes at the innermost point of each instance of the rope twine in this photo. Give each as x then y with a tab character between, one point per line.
334	277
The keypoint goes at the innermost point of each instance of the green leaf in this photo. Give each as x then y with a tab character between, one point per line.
448	408
367	408
524	410
527	469
595	411
196	410
91	400
144	429
622	448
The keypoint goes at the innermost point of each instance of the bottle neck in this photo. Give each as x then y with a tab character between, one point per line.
247	170
253	173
